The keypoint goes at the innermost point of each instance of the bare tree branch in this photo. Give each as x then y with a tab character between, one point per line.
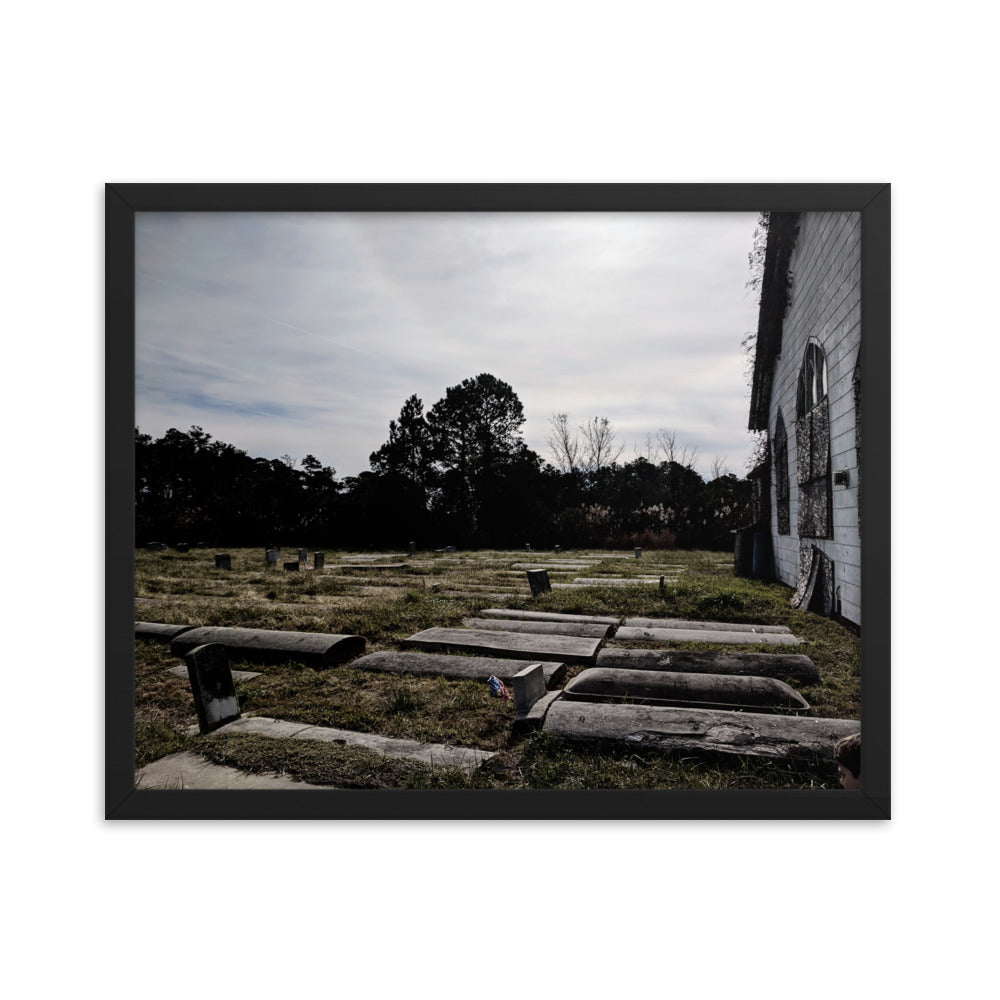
601	443
564	443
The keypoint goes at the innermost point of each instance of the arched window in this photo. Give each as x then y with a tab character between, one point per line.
812	439
781	485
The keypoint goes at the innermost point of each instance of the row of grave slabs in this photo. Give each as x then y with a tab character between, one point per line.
654	698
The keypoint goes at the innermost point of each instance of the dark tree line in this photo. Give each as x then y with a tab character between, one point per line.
459	474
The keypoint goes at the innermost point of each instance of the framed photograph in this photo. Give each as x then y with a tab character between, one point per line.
498	501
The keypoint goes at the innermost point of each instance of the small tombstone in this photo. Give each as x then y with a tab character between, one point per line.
413	548
527	548
538	580
212	685
319	560
224	561
183	546
529	686
663	588
201	545
303	556
558	549
153	546
292	567
271	555
638	552
450	548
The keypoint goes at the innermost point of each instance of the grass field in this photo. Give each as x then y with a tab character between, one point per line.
353	595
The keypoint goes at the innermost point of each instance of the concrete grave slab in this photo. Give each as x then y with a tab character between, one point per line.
191	771
706	635
614	581
474	668
317	649
586	629
513	645
161	633
547	616
690	730
692	690
238	675
434	754
710	626
783	666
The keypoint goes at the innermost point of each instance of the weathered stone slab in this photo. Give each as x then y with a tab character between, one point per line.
586	629
735	636
687	689
534	717
183	547
538	581
515	645
783	666
238	675
710	626
693	730
271	555
319	560
161	633
317	649
303	556
546	616
614	581
706	635
458	668
212	686
584	586
434	754
553	565
223	561
369	567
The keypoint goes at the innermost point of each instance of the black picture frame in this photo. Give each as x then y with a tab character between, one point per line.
124	801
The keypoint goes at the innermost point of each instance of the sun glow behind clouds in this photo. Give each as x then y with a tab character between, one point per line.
304	333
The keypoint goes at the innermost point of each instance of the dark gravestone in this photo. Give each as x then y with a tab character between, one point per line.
319	560
413	548
538	580
303	556
153	546
638	552
527	548
183	547
292	567
558	549
212	685
201	545
450	548
223	561
271	555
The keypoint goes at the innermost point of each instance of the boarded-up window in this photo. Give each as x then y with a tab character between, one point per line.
782	489
812	441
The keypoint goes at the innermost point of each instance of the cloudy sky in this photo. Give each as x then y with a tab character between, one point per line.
304	333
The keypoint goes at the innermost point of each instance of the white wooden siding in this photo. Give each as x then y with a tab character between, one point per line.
825	305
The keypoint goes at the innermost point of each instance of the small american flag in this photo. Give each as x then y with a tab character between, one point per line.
498	690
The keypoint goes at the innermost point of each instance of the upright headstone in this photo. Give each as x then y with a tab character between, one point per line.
183	546
663	588
319	560
292	567
201	545
538	580
223	561
558	549
271	555
527	548
638	552
303	556
450	548
153	546
212	686
413	548
529	686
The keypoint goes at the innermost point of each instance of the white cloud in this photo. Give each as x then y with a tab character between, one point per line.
304	333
